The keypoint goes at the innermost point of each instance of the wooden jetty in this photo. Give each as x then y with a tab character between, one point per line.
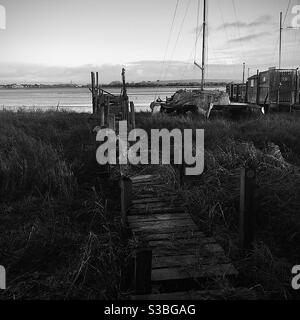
174	260
109	108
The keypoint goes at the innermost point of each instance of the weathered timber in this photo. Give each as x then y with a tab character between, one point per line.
182	256
156	211
112	122
174	236
207	248
171	274
93	92
132	115
158	205
247	208
152	225
143	178
143	271
187	260
126	197
105	103
163	230
157	217
167	200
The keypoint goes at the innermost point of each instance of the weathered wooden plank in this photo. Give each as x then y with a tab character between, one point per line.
162	224
163	230
158	217
152	182
156	211
144	177
187	260
155	205
158	205
174	236
146	208
173	199
146	181
207	248
205	271
196	243
148	187
154	194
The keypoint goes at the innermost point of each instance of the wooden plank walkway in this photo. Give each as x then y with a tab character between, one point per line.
183	257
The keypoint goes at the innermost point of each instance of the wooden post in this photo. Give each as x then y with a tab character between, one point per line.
98	95
124	109
93	92
97	81
126	197
132	115
143	270
247	208
112	121
102	111
106	110
125	105
127	111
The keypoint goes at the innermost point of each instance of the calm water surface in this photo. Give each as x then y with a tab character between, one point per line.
76	99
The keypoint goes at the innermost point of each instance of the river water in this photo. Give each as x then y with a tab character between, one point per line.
75	99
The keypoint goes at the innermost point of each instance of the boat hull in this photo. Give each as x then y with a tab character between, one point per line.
184	101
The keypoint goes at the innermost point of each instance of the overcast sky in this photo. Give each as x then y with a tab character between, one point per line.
63	40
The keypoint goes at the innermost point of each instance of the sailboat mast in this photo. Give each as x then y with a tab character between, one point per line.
280	40
203	45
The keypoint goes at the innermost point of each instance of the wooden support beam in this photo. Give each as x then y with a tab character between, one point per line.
102	111
112	121
126	197
143	271
93	92
124	104
106	110
127	111
247	208
97	81
132	115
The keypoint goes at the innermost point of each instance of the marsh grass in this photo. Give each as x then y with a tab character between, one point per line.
272	144
57	239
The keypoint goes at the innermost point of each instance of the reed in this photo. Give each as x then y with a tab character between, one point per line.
271	144
58	241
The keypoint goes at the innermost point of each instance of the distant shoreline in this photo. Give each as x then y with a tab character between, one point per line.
114	86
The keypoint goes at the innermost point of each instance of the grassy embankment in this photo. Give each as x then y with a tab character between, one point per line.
272	144
57	240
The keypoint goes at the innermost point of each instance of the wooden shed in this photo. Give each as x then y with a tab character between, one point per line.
252	89
283	87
